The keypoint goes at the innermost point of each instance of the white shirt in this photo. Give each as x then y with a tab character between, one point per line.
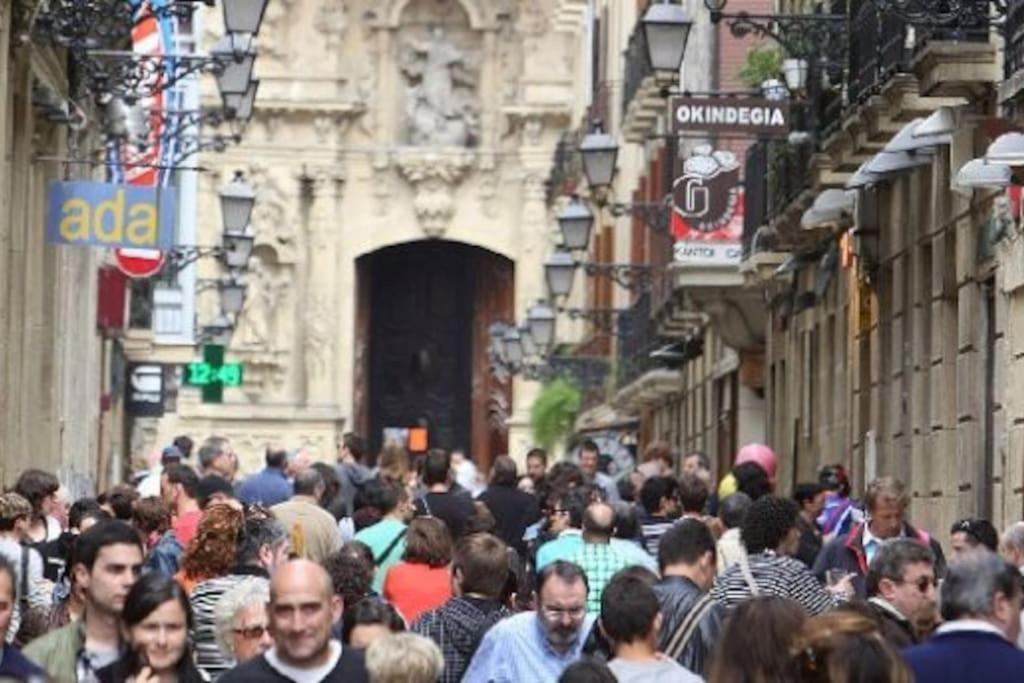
305	675
150	484
970	625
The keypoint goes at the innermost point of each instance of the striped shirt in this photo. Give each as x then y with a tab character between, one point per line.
204	599
654	527
782	576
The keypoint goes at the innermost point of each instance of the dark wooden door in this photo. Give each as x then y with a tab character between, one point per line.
420	360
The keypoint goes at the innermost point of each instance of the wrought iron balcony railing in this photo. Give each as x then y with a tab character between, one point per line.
1013	30
636	341
878	49
755	191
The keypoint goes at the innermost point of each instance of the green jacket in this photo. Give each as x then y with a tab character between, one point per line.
57	651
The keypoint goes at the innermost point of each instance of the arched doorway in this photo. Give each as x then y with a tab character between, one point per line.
424	311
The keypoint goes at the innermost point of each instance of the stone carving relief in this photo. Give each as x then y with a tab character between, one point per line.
331	22
274	45
434	176
317	346
437	54
487	190
267	290
270	214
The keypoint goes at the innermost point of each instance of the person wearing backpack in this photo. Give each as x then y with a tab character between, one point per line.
30	588
386	538
692	620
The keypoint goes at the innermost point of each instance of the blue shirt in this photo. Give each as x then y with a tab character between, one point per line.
267	488
570	541
515	650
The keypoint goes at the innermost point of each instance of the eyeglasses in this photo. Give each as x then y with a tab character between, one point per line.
559	612
922	583
251	632
555	511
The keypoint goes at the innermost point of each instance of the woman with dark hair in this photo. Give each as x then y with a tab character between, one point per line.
368	620
771	536
422	581
39	488
156	621
847	646
756	641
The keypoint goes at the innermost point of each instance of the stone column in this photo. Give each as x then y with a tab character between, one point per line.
318	342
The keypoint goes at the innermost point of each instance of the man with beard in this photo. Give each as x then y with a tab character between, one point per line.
108	559
538	646
302	608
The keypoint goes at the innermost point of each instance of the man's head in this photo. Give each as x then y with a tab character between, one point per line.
303	607
660	496
108	559
85	512
968	534
7	594
179	483
835	480
352	445
630	613
214	488
170	456
733	509
536	464
504	472
480	566
391	498
263	542
590	458
562	603
886	501
598	523
437	467
752	479
276	458
1012	544
902	572
697	463
771	525
217	457
15	515
184	445
152	517
565	508
310	483
982	585
693	494
811	499
688	549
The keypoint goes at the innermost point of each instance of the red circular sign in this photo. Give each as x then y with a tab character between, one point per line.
139	262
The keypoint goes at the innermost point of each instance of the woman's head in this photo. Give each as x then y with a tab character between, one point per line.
212	552
39	488
765	657
240	619
156	621
846	646
428	542
404	658
351	571
771	525
368	620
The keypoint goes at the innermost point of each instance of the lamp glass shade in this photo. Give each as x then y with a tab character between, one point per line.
240	106
598	152
236	201
232	296
775	90
559	271
237	60
666	30
540	319
795	72
244	16
238	248
529	345
513	345
219	330
575	222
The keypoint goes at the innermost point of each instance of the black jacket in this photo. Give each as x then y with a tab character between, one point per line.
895	628
513	511
677	595
351	668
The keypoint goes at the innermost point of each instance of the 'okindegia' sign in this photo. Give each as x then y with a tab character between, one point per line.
736	115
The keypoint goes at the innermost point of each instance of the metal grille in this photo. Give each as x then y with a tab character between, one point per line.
637	66
755	193
1014	31
636	341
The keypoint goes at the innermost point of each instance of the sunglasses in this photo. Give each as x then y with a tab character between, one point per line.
923	582
251	632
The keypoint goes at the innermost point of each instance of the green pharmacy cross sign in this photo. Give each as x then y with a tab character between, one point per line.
212	374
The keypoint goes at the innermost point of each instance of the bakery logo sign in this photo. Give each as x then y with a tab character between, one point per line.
739	116
708	207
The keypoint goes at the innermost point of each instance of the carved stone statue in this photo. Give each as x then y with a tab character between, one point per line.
441	107
256	317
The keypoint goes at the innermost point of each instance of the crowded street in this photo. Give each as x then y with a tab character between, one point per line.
511	341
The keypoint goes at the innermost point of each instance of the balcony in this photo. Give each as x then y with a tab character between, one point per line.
642	100
641	380
956	60
566	167
1013	63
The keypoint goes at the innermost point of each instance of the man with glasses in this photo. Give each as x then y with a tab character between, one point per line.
538	646
901	586
968	534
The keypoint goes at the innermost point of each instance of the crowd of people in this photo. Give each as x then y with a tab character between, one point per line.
399	568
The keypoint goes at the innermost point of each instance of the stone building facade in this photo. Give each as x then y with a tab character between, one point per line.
381	131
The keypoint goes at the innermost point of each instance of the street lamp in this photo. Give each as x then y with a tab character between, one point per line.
666	30
775	90
244	16
529	344
575	222
219	330
238	246
795	72
513	345
598	152
235	52
232	295
559	271
239	105
540	319
236	201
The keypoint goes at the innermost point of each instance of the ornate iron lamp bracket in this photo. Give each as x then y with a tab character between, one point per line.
800	35
603	319
133	76
634	277
655	215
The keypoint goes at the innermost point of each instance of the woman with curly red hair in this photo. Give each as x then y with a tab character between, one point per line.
212	552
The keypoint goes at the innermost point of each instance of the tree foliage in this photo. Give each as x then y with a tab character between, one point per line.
554	412
762	63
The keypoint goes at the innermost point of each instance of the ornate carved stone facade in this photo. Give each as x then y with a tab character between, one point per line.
378	123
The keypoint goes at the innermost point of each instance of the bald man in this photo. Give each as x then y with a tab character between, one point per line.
598	558
303	607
